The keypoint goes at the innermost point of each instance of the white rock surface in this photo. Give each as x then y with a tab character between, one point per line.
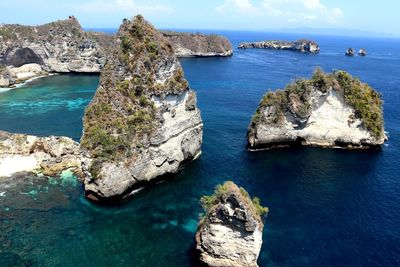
230	234
332	123
11	164
48	155
26	72
177	140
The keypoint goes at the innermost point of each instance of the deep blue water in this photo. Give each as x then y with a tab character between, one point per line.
327	207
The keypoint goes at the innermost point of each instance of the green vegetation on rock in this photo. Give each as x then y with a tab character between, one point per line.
122	117
295	98
223	190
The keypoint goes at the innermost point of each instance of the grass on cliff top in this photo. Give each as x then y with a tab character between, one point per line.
16	32
223	190
144	50
295	98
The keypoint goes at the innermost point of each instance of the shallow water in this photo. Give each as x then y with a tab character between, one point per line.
327	207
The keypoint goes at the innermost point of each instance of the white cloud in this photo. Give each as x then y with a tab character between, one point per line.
314	5
285	10
238	6
269	7
125	7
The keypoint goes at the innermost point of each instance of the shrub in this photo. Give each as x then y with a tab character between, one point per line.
221	192
365	100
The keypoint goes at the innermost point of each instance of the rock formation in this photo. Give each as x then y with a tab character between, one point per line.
143	121
58	47
362	52
304	46
350	52
199	45
47	155
230	234
329	110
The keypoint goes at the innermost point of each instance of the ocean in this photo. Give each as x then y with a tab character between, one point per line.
327	207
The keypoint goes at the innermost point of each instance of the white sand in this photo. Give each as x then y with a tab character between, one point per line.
12	164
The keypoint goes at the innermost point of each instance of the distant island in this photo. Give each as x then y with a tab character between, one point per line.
304	46
199	45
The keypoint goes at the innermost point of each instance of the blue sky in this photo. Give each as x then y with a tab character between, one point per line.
378	16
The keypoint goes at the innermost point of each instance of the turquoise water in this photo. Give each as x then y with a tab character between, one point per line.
52	105
327	207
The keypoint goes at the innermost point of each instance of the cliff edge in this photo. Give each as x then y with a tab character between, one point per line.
57	47
143	121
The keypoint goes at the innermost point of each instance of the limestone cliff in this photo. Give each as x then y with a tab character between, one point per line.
230	234
59	47
199	45
329	110
304	46
47	155
143	121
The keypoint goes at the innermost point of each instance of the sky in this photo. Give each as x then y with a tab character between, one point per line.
367	15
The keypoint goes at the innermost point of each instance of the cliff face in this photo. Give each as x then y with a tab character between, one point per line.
199	45
330	110
48	155
143	121
231	232
304	46
60	47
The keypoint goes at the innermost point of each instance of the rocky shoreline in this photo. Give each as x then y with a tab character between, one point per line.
304	46
49	156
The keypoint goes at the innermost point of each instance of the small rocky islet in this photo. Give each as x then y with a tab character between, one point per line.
144	123
303	45
230	232
328	110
